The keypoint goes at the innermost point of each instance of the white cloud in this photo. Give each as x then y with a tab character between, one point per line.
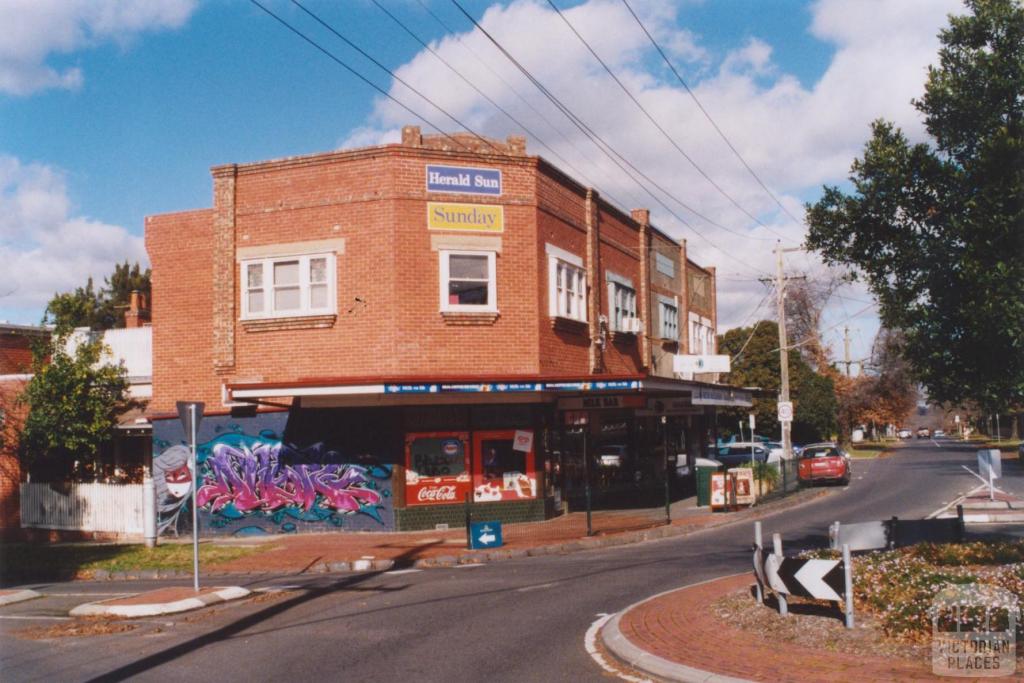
44	247
797	137
33	30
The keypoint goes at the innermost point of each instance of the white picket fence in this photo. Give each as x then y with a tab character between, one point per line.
110	508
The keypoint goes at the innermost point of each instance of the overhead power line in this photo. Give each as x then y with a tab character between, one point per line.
515	91
480	92
707	115
604	146
659	127
395	76
358	75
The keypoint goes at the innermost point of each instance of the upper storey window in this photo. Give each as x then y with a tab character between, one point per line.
288	286
567	285
468	281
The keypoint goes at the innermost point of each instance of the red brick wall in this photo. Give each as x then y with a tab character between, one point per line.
388	320
180	251
15	353
10	466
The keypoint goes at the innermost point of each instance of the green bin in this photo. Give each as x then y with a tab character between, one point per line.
704	485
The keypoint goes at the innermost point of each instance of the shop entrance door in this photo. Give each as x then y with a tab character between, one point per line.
501	469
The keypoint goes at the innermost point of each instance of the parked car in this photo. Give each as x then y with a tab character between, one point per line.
1020	451
824	462
904	433
741	452
939	433
923	433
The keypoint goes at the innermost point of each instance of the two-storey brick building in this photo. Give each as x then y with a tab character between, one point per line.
417	322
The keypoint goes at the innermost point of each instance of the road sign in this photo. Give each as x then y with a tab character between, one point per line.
785	411
818	579
990	463
185	415
483	535
752	423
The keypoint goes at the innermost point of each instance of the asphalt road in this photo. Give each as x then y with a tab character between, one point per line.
518	620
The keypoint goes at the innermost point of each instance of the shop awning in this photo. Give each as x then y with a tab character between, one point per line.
399	391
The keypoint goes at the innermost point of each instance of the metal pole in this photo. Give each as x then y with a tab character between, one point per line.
469	519
586	478
999	432
777	547
195	511
848	572
664	448
149	510
758	544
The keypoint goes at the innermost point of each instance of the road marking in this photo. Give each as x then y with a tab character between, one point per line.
936	443
396	572
26	617
277	589
526	589
590	643
80	595
472	565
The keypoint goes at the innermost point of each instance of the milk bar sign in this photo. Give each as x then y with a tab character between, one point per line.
459	179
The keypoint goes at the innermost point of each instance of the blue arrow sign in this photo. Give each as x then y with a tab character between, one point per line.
484	535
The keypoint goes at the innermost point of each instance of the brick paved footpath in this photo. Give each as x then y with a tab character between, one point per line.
681	627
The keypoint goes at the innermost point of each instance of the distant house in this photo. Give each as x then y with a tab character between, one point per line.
120	461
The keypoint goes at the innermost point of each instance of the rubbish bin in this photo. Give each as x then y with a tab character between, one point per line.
705	468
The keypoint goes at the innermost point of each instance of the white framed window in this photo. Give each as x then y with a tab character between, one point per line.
668	314
567	285
702	335
468	281
622	305
288	286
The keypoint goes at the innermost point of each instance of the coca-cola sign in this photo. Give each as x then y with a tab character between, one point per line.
436	494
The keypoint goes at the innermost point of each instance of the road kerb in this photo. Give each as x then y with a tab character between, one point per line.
628	653
110	608
11	597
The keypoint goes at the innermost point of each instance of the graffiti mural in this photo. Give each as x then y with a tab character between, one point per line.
256	484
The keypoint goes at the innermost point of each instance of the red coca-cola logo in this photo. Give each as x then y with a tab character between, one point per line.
434	493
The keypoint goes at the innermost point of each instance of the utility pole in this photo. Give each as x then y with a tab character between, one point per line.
780	287
846	349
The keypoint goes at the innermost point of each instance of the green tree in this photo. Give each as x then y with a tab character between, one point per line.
102	309
755	363
937	230
73	401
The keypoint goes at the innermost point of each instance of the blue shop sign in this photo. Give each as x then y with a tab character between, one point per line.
464	180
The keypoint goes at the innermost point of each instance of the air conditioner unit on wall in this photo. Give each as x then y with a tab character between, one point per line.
632	325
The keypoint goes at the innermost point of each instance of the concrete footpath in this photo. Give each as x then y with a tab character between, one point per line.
667	636
362	552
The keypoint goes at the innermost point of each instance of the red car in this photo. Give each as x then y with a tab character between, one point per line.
824	462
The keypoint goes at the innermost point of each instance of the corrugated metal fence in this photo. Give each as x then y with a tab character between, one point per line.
112	508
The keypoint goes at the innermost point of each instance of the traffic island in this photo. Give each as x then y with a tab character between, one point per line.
666	636
163	601
9	597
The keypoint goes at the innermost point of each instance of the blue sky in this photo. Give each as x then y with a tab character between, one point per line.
111	111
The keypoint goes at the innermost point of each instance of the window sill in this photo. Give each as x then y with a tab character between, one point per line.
464	318
299	322
623	337
570	325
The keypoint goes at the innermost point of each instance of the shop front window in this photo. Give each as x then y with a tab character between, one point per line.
502	471
437	470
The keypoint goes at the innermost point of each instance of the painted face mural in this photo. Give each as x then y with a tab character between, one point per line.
257	484
172	479
179	481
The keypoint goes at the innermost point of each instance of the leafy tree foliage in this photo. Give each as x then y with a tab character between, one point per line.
937	229
102	309
73	401
813	394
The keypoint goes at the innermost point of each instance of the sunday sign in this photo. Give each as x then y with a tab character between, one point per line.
464	217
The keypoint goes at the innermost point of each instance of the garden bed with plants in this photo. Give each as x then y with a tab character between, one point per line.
893	593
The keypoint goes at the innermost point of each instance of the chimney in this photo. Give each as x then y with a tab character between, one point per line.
138	312
411	136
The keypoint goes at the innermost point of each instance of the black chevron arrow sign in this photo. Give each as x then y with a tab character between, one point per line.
818	579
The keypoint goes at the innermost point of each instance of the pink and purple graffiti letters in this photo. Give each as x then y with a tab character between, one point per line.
260	477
